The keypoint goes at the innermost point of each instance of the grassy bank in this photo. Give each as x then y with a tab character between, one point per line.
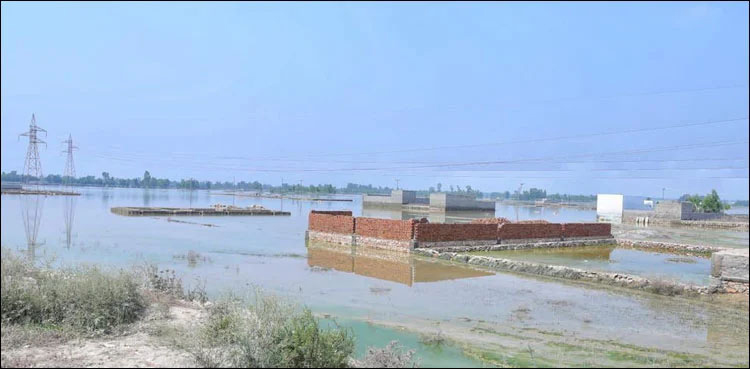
46	306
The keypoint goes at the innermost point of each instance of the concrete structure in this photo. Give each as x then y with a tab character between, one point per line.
436	202
681	211
445	201
396	198
216	210
609	207
730	265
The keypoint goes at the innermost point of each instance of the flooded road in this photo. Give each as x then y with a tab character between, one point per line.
495	312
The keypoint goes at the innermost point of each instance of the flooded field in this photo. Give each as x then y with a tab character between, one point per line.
498	318
610	258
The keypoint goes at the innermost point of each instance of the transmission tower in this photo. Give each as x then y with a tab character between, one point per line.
70	168
32	167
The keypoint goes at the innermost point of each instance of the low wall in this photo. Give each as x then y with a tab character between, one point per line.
385	228
557	271
441	232
572	230
331	221
517	231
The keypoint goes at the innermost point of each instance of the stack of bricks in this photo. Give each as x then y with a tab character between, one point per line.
439	232
510	231
491	221
586	230
331	221
385	228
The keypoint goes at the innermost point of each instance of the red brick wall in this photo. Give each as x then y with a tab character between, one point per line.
511	231
586	229
436	232
385	228
332	223
333	212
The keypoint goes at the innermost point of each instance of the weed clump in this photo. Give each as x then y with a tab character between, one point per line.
391	356
84	298
268	333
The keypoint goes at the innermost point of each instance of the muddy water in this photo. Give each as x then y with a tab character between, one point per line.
610	258
491	312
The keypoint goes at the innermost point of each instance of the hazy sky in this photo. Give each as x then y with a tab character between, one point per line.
370	92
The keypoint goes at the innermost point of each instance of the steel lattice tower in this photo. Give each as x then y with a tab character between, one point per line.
32	167
70	168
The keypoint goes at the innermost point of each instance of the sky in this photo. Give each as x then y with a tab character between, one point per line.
579	98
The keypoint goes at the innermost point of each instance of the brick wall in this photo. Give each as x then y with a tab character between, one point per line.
333	222
586	229
333	212
510	231
438	232
385	228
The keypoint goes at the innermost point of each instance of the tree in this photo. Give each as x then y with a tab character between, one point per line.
105	176
146	179
440	187
712	203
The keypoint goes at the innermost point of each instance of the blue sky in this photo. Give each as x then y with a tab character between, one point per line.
310	91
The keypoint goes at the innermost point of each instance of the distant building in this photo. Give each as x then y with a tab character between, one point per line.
437	201
649	203
609	208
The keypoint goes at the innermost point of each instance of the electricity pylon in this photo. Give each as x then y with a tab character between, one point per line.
32	167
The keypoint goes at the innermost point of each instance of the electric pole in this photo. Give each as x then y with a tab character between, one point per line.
70	169
32	167
662	193
397	180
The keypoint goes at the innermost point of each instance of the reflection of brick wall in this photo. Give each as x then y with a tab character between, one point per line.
439	232
586	229
333	221
385	228
511	231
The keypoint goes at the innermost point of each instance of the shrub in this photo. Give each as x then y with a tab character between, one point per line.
268	333
85	298
392	356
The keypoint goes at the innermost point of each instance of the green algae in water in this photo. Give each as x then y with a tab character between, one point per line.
428	356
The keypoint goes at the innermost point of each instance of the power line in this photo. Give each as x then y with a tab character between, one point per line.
449	147
455	164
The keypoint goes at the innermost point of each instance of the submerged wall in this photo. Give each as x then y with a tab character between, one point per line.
342	227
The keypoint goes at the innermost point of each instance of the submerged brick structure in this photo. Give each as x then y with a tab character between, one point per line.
404	235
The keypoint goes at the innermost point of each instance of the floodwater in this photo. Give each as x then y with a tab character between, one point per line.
420	295
610	258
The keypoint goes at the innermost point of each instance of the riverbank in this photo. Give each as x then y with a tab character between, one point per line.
87	317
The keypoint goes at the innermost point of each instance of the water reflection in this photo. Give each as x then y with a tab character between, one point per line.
69	209
31	214
386	265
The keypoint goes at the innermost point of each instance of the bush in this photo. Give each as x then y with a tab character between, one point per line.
84	298
392	356
268	333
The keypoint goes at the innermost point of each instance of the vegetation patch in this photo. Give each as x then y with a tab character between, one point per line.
84	298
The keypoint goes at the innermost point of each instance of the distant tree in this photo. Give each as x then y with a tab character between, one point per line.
432	189
146	179
712	203
440	187
451	188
